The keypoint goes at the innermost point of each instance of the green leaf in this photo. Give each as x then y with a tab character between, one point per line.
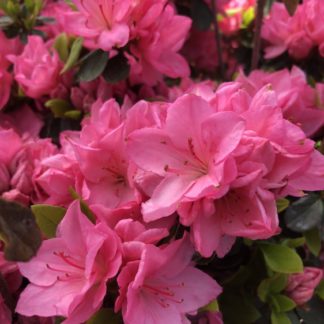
74	54
263	290
48	217
248	17
201	15
294	243
58	106
284	303
271	286
291	6
73	114
313	240
320	290
93	66
280	258
117	69
84	207
211	307
305	213
278	283
282	204
105	316
279	318
61	44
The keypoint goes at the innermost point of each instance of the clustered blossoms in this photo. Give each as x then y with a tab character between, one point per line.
145	175
298	34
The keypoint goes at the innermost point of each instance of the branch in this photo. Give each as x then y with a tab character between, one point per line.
257	35
217	38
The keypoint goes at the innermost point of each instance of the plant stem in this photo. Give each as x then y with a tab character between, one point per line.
218	38
257	35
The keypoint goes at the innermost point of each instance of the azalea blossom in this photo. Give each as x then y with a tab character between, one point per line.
165	282
71	269
103	24
36	69
195	162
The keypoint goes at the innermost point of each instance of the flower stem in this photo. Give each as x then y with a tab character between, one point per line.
257	35
218	38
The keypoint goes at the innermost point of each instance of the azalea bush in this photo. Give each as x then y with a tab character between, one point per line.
161	161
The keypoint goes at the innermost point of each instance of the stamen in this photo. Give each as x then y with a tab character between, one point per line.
167	293
192	150
67	259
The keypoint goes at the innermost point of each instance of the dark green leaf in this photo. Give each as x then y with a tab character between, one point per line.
48	217
93	66
42	20
282	259
245	311
5	21
305	213
19	231
313	240
291	6
117	69
201	15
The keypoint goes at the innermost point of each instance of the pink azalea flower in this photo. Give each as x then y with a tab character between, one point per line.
155	51
23	120
103	24
53	178
232	14
296	98
242	212
194	161
164	282
300	287
8	47
103	160
313	10
286	33
54	10
71	270
289	152
36	70
23	165
273	159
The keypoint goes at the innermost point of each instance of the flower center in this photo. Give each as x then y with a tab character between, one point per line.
67	275
164	295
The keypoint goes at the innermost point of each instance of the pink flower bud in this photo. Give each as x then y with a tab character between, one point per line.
300	286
